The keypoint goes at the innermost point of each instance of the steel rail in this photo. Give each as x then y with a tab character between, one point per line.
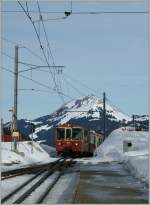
43	169
25	170
20	187
48	189
47	170
37	184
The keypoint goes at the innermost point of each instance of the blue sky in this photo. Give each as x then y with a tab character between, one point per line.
107	52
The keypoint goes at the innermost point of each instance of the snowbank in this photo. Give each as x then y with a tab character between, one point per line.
139	166
50	150
130	147
25	155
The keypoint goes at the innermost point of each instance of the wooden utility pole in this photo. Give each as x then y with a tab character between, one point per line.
104	114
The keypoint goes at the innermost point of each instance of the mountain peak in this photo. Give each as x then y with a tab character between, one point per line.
83	107
86	111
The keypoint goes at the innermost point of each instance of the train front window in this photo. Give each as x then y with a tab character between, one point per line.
77	134
60	133
68	134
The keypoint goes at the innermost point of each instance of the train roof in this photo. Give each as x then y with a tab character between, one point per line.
77	126
69	125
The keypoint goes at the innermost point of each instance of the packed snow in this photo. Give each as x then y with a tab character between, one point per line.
26	154
129	147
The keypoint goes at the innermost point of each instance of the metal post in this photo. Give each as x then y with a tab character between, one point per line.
15	96
104	115
32	130
32	144
2	130
15	89
99	119
133	120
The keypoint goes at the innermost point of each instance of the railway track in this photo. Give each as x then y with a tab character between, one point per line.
26	170
24	191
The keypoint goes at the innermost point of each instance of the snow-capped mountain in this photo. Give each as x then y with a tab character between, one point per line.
86	111
141	118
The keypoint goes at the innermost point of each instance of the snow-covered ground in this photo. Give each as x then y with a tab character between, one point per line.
50	150
126	146
26	154
129	147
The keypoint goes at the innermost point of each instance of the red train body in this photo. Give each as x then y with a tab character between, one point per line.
6	138
76	140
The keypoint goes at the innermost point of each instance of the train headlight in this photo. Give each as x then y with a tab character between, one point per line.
76	144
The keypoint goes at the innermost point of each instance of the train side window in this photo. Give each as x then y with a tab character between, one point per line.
60	133
91	138
85	136
95	139
77	134
88	137
68	134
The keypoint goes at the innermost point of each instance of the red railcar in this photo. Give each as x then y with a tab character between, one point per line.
6	138
76	140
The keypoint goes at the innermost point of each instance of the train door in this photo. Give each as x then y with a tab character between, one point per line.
68	134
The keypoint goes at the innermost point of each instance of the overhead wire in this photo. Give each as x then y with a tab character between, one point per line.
27	7
35	81
48	44
79	12
33	89
81	83
116	107
32	66
41	18
7	55
23	46
41	46
71	85
27	13
52	19
66	15
68	83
